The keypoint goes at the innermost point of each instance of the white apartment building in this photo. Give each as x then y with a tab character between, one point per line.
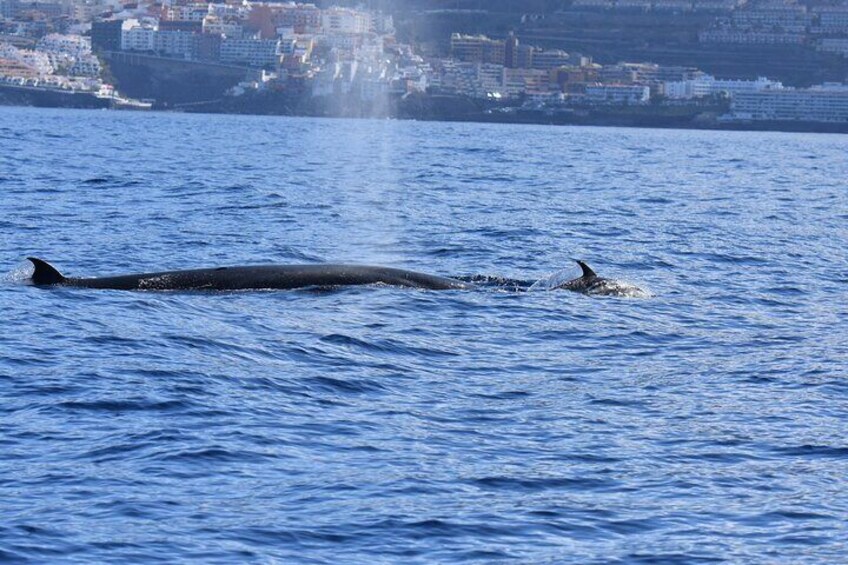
223	26
519	81
69	52
672	5
461	78
826	103
489	79
137	36
237	11
188	13
833	19
617	94
716	6
251	52
707	85
751	37
633	5
550	59
35	60
834	45
382	24
786	18
346	21
73	45
179	44
593	4
85	66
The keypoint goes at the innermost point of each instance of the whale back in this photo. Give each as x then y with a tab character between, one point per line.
256	277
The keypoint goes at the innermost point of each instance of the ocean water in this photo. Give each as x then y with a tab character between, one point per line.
706	423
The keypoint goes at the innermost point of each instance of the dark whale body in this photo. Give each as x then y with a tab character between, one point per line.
586	282
262	277
590	284
284	277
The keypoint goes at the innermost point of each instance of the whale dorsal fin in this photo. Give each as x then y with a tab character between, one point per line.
587	270
45	273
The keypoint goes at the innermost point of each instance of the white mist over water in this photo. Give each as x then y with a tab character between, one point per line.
370	215
375	218
21	273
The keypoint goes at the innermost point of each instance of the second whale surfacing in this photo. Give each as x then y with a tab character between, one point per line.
288	277
590	283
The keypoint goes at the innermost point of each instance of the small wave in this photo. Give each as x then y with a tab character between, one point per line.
656	200
217	454
506	395
97	180
435	527
385	346
616	403
121	448
9	556
813	451
631	527
290	252
744	260
540	484
352	386
124	405
298	538
783	515
454	251
671	558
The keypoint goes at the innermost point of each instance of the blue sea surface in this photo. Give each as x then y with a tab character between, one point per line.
708	423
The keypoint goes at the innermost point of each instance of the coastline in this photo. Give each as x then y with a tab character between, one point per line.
38	97
436	109
13	95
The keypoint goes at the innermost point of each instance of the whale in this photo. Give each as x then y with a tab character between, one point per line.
586	282
288	277
257	277
589	283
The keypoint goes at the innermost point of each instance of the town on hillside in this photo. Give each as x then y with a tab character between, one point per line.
367	60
